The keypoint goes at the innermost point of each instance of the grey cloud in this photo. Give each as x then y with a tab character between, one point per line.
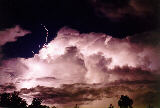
11	34
11	70
69	93
86	93
46	79
8	87
130	73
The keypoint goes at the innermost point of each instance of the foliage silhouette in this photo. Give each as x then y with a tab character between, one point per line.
54	107
76	106
12	100
125	102
5	100
36	103
111	106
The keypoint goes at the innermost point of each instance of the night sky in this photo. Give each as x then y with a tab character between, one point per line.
96	51
83	15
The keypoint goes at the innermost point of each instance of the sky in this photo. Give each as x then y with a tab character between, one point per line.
85	52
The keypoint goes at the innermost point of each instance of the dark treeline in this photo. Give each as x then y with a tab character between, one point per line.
12	100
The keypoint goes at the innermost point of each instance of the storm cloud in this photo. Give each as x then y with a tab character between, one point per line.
84	94
82	68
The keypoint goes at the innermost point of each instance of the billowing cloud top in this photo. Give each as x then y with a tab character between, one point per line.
94	65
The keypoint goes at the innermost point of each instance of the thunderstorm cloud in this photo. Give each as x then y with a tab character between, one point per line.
86	68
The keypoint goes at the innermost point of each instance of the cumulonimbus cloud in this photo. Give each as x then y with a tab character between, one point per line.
90	58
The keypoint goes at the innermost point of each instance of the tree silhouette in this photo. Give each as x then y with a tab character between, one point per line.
111	106
36	103
125	102
12	100
76	106
5	100
53	106
17	102
150	106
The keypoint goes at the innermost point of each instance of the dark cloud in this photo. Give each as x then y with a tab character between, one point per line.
119	9
8	87
150	97
147	39
137	82
67	94
46	79
87	93
131	73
